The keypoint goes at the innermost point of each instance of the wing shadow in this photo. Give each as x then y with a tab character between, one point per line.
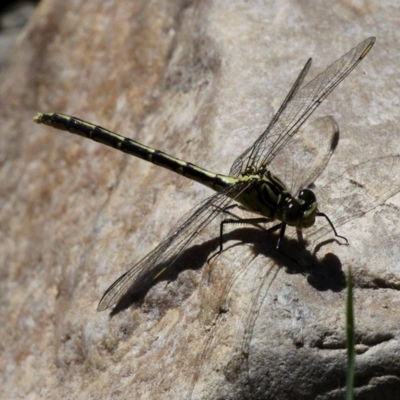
322	274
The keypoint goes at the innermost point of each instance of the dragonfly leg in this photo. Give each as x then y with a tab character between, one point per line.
251	221
281	235
320	214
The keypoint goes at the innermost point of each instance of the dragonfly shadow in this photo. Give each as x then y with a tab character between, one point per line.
322	274
193	258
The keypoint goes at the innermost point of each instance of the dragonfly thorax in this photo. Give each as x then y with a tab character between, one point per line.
269	197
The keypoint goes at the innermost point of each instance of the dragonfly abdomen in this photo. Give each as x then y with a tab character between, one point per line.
98	134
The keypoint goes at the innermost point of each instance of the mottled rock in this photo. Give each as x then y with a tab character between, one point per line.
199	80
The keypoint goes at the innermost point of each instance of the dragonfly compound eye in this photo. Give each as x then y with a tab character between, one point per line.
306	197
308	206
292	213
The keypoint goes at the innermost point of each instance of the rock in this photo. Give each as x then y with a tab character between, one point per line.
200	81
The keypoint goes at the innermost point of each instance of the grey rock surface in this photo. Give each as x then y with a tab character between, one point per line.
199	80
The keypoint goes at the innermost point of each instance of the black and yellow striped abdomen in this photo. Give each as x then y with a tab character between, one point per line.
98	134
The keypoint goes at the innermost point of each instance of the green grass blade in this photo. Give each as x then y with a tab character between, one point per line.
350	339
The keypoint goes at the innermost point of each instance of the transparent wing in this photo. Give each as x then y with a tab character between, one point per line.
297	107
238	165
306	156
357	191
163	256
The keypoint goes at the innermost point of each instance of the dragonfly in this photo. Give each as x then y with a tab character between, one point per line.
250	184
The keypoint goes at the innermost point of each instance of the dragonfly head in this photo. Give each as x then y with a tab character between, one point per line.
301	212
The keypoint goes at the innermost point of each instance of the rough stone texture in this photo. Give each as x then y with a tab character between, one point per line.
13	16
199	80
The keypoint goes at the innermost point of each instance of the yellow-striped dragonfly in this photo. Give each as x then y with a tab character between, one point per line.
250	183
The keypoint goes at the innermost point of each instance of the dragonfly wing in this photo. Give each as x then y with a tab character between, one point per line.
357	191
246	158
162	257
321	152
305	157
297	108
